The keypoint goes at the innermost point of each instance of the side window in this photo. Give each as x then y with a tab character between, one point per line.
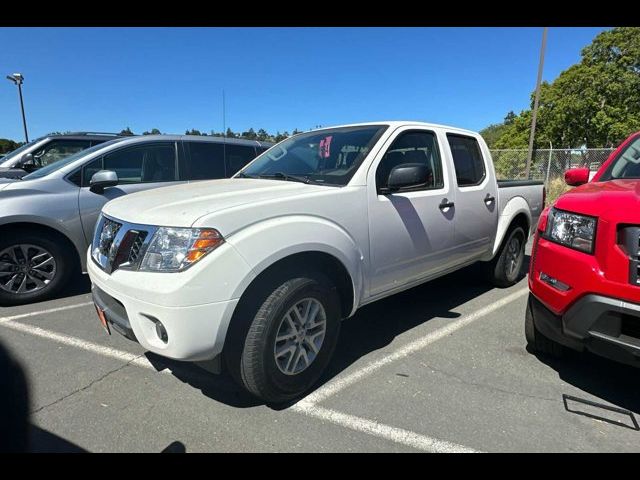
89	169
57	150
204	162
143	164
413	147
238	156
467	159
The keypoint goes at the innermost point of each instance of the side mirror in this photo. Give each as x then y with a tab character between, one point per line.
27	162
103	179
407	175
576	176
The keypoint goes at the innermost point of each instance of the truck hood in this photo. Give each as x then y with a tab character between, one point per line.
597	198
181	205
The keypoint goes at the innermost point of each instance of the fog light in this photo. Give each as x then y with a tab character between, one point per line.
554	282
161	332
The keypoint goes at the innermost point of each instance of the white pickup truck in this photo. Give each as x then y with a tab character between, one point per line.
256	272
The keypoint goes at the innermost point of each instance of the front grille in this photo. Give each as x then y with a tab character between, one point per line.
119	245
629	240
109	232
136	247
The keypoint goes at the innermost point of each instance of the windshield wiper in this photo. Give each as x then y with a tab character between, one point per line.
244	175
286	176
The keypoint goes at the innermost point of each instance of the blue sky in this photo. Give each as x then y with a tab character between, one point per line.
105	79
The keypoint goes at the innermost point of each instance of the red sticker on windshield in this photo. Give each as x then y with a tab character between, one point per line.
324	149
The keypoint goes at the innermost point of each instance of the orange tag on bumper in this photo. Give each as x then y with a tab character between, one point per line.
103	319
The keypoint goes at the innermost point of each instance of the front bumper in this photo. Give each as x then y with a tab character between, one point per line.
603	325
193	332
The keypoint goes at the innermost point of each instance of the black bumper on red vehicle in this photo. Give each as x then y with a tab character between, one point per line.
606	326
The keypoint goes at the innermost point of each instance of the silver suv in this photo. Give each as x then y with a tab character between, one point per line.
48	217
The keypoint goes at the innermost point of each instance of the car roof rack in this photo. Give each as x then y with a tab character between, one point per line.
111	134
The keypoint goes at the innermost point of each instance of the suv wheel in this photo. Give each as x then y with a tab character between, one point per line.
32	268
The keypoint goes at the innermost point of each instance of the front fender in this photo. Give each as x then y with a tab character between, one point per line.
264	243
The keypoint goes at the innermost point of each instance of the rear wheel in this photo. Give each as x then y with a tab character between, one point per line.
32	268
536	340
290	340
504	270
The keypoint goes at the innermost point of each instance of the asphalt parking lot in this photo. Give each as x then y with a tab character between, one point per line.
442	367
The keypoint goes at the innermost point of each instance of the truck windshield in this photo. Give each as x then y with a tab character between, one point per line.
627	165
325	157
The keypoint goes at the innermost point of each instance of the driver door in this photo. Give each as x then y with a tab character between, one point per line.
138	168
411	233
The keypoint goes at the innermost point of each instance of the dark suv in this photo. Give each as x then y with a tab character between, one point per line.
46	150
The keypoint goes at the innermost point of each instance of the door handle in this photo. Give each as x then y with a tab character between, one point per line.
445	204
489	199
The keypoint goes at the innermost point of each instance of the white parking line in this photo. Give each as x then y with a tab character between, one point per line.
397	435
305	407
126	357
333	387
42	312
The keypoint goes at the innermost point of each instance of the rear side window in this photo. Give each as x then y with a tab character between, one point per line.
238	156
467	159
204	161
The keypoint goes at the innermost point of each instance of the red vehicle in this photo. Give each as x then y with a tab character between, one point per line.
584	278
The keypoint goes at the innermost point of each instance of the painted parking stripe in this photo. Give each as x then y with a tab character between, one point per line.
44	312
397	435
387	432
126	357
334	386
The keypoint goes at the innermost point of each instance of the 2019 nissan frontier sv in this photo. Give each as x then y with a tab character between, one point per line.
256	272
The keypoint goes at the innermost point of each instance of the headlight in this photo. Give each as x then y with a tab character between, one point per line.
571	230
175	249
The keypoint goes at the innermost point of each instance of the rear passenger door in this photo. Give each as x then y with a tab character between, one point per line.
139	167
476	198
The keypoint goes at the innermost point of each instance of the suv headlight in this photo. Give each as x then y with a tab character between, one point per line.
175	249
571	230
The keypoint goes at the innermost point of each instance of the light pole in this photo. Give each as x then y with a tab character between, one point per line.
17	78
535	102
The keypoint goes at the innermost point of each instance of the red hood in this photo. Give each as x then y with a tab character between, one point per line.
613	199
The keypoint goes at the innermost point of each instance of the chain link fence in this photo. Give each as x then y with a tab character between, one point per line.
546	164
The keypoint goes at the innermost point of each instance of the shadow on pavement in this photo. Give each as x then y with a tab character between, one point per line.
612	382
42	441
372	328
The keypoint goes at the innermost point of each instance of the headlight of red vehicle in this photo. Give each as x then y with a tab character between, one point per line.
572	230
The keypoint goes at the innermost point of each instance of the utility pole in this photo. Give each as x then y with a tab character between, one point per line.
534	114
17	78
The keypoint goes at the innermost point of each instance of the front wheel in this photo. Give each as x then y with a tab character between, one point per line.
32	268
504	270
291	339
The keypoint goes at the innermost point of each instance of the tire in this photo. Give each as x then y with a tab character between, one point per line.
537	341
502	270
254	364
37	247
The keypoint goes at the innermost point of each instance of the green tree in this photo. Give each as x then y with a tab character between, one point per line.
154	131
127	132
230	133
594	103
249	134
7	145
